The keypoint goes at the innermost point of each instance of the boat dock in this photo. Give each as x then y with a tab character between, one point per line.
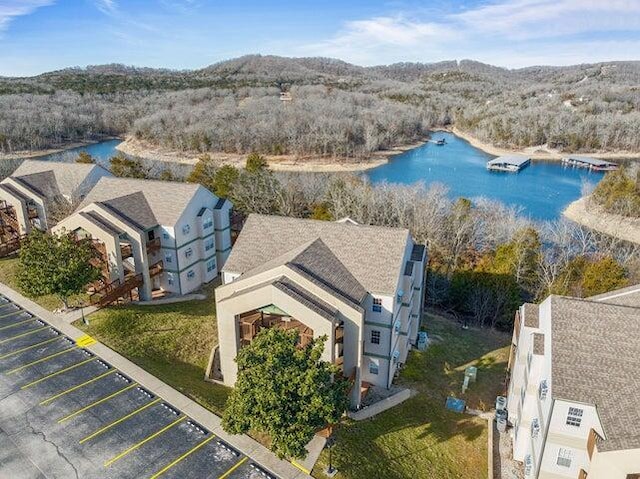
590	163
510	163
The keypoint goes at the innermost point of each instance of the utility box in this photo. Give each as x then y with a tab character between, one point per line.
471	372
423	340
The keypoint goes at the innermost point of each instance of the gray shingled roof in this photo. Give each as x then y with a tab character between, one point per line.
373	255
624	297
595	354
531	315
43	184
66	178
538	344
164	201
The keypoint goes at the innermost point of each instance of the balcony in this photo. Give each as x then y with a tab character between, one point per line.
156	269
8	217
153	246
126	250
115	290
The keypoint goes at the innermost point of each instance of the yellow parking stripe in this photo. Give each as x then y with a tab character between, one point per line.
13	353
17	324
48	376
75	388
41	360
234	467
303	469
100	401
33	331
115	423
143	442
86	340
182	458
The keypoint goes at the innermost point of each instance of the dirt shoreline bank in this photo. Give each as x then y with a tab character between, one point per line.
540	152
277	163
621	227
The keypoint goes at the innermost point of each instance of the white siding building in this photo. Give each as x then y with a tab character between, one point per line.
573	392
158	235
362	286
28	195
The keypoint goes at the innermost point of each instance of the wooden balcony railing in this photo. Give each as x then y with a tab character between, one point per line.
9	218
153	246
156	269
126	250
10	246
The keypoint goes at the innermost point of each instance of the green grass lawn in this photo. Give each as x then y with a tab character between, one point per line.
172	342
419	438
8	271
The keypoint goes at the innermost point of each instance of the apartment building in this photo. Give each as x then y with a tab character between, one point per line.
29	194
152	235
573	395
361	286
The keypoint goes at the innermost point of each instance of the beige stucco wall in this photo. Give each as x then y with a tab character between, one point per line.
614	464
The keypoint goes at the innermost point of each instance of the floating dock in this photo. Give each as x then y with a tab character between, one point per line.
508	163
590	163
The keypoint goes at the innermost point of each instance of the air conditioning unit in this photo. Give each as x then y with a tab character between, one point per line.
535	427
543	390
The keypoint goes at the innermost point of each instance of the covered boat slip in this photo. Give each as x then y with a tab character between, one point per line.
508	163
590	163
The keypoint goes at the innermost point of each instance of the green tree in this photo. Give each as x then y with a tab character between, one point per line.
285	391
519	258
256	163
84	157
204	172
167	175
584	277
51	264
127	167
224	180
320	211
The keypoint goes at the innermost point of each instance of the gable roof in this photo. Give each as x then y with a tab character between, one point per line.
352	259
595	360
53	178
146	203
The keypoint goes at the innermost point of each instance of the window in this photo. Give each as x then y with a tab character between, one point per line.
543	390
165	235
168	258
373	367
564	457
170	279
377	305
151	235
209	244
375	337
535	427
191	274
211	265
574	418
396	326
188	253
186	229
208	223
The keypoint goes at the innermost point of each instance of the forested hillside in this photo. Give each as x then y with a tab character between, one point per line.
336	109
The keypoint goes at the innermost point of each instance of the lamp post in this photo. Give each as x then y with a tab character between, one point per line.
331	471
84	319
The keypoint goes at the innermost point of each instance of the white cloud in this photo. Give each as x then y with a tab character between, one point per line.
514	29
9	9
107	6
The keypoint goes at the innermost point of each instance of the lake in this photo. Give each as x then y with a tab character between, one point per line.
543	189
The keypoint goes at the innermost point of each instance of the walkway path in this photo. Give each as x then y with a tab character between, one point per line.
242	443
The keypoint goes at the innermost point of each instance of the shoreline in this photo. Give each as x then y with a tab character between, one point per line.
34	154
146	151
621	227
537	153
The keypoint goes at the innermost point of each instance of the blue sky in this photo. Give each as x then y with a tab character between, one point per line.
43	35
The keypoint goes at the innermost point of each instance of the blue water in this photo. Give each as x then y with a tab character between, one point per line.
102	152
543	189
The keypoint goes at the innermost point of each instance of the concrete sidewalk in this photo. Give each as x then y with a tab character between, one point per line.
243	443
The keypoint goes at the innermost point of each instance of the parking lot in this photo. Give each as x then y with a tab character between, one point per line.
66	413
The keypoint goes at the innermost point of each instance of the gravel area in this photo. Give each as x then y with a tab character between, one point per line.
504	467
